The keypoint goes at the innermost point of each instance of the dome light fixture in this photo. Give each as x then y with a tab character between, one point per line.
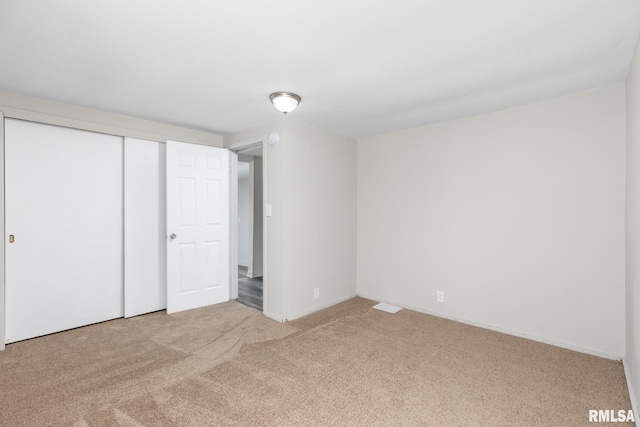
285	102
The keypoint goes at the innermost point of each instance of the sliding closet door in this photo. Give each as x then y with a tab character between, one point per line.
63	228
145	223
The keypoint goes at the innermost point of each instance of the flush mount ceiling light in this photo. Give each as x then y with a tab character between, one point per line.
285	101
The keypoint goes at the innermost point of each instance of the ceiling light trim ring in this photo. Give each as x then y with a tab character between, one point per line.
283	101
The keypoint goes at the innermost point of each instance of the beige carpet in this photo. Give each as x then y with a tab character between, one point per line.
347	365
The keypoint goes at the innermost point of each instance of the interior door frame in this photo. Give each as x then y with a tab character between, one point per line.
237	148
252	203
233	225
2	247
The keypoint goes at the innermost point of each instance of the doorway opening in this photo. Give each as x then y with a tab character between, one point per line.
249	225
250	290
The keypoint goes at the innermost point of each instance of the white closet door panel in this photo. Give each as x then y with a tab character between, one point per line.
64	206
145	245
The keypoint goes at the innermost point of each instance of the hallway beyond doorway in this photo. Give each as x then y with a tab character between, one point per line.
249	290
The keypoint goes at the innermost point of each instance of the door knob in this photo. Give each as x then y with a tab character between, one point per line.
173	236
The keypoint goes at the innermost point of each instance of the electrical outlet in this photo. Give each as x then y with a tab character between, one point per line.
316	293
440	296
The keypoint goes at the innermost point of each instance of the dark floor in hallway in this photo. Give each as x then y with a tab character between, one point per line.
249	290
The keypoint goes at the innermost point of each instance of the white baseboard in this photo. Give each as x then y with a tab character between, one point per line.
561	344
273	317
318	307
254	273
244	264
632	395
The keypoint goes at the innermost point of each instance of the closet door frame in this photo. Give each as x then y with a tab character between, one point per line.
8	112
16	106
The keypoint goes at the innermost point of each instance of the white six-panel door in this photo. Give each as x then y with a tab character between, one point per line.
63	228
197	226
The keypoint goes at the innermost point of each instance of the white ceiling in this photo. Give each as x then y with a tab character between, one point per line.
361	67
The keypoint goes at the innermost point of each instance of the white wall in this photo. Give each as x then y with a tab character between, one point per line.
311	237
256	220
320	230
632	354
243	214
516	215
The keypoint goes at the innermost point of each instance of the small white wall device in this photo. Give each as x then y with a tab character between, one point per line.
274	138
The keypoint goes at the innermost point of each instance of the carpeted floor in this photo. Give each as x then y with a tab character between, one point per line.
228	365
